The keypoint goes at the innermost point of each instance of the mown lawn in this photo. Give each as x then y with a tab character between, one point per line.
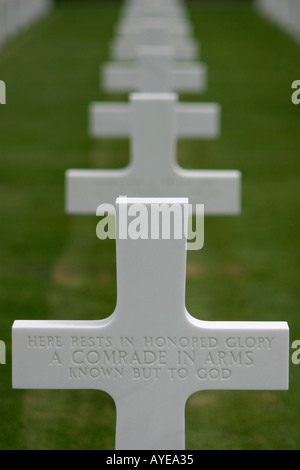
53	266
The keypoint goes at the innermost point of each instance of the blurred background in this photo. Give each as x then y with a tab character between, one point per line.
52	266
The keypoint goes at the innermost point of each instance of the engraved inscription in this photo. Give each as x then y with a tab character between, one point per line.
152	357
41	342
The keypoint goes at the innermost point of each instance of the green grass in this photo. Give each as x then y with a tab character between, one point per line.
53	266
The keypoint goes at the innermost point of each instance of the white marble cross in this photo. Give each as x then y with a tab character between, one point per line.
154	122
154	70
153	9
177	25
192	120
167	11
153	33
150	355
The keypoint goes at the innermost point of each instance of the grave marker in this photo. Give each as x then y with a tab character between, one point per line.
150	355
154	71
153	9
198	121
153	33
154	123
129	26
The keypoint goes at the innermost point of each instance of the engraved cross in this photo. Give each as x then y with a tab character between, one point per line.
150	355
154	121
154	71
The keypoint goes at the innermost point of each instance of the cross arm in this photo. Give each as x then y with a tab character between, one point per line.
242	355
109	120
219	191
61	354
116	77
180	27
192	120
183	50
198	120
190	77
214	355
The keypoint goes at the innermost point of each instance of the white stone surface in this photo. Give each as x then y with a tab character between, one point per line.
192	120
2	92
154	70
16	15
172	16
153	33
150	355
177	25
154	123
2	22
286	14
153	9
